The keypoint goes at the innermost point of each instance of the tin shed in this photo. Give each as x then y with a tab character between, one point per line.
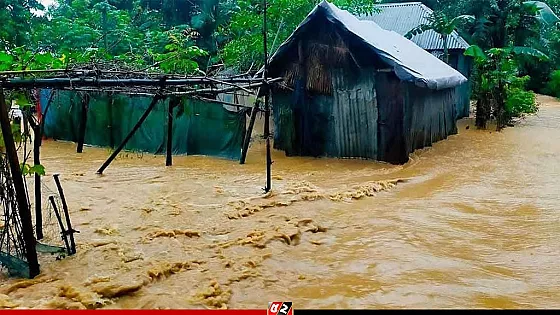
352	89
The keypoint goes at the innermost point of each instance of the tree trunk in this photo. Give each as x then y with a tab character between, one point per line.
483	108
445	48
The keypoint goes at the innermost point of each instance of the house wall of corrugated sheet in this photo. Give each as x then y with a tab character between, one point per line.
429	116
302	122
464	90
374	116
354	125
390	102
463	64
340	125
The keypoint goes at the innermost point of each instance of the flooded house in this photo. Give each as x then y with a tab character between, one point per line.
403	17
352	89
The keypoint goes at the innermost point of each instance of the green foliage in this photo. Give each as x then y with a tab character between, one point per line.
16	20
519	101
497	86
26	169
183	36
475	52
545	13
440	23
19	58
81	31
179	55
245	28
553	86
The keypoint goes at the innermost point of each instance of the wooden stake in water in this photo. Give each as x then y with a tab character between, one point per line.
63	231
70	231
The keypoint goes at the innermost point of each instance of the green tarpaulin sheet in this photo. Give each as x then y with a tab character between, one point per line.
199	128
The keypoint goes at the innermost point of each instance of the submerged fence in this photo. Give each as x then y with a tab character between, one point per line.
199	128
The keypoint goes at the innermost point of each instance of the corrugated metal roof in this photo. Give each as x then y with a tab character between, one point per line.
402	17
409	62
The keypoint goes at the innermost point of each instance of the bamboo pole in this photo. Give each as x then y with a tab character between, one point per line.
6	73
21	198
209	100
268	186
63	231
95	82
231	84
37	161
247	138
121	146
83	122
230	89
69	230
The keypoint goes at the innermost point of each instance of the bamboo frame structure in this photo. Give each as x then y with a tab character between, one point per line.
92	78
21	197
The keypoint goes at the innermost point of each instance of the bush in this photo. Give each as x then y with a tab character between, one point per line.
553	86
520	101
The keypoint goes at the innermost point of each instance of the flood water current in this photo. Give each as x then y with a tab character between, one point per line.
472	222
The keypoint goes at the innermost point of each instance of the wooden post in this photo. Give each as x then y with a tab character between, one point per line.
83	122
156	98
247	138
63	231
69	230
37	161
266	105
21	197
174	101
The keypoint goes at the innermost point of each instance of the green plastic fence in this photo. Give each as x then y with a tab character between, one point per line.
199	128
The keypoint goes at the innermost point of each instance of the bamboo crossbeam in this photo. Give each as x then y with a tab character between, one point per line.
209	100
99	73
4	73
231	84
230	89
61	82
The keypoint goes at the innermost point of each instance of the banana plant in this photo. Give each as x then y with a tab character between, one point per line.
495	76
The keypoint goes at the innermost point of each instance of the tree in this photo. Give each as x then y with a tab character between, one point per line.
84	30
497	85
245	46
510	27
440	23
16	17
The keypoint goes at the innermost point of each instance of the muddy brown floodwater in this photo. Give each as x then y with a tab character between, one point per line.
472	222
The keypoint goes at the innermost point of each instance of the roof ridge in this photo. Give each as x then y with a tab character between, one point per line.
395	4
426	8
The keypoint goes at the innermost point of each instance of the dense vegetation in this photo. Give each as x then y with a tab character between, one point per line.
516	45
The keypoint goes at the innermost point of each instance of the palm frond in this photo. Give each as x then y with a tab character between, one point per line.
475	51
528	51
418	30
